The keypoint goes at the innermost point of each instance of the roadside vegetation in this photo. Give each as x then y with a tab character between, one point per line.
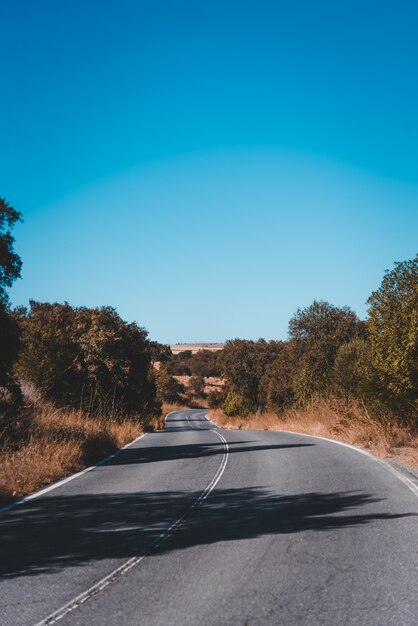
336	375
75	383
189	378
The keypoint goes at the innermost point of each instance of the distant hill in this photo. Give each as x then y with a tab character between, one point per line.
195	347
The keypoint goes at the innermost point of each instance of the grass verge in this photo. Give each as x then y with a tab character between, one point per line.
52	444
333	418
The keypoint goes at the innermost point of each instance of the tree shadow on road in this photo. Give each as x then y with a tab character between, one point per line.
156	454
54	532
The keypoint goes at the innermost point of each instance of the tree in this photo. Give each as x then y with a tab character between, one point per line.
197	386
205	363
50	356
279	378
351	373
244	364
319	330
10	266
88	358
393	330
10	263
9	346
169	389
160	352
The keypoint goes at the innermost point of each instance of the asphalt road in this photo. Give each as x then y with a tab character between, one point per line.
197	525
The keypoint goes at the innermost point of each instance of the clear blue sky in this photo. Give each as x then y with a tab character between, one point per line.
209	167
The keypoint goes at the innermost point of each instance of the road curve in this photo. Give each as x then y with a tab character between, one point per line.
198	525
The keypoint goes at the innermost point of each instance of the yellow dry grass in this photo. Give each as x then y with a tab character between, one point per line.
348	422
212	383
57	444
170	406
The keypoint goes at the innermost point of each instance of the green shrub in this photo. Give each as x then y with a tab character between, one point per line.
10	266
216	399
87	358
234	404
197	386
168	388
351	373
393	329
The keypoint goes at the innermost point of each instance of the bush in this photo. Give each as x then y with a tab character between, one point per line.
9	344
216	399
244	364
87	358
318	332
197	386
168	388
393	328
10	266
202	363
234	404
351	371
280	376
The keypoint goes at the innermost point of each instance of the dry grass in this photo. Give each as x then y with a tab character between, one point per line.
55	444
212	383
170	406
348	422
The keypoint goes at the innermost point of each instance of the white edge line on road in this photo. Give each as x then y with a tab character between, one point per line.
209	420
41	492
412	486
407	481
133	561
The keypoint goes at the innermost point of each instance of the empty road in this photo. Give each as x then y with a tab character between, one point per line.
199	525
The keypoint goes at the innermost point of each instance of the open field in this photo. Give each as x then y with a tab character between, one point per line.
195	347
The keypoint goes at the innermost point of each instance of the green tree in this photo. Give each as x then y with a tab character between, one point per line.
168	388
318	331
205	363
352	374
9	346
10	263
88	358
243	365
50	356
160	352
216	398
179	365
10	266
279	378
197	386
393	330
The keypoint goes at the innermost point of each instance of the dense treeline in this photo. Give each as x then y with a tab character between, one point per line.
10	266
87	359
75	383
201	363
90	359
330	352
197	367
